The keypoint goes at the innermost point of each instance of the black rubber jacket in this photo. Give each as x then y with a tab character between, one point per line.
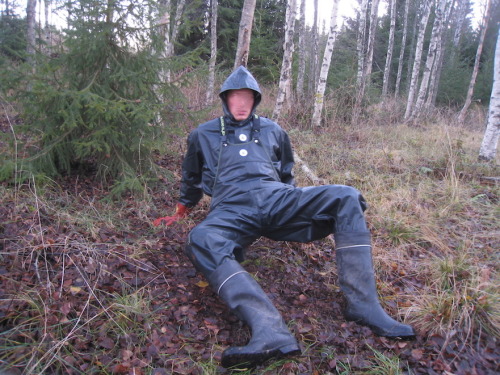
200	163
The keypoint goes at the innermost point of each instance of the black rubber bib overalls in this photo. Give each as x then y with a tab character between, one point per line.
250	201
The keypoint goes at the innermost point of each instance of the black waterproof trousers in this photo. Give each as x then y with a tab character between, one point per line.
276	211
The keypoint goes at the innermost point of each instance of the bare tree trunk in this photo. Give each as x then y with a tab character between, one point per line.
315	52
46	29
492	134
434	44
371	42
438	64
325	67
367	72
286	66
402	51
302	53
213	53
460	15
171	31
175	28
475	71
164	32
245	33
390	49
361	41
31	21
418	58
411	57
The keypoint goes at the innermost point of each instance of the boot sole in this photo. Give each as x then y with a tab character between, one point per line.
380	332
244	360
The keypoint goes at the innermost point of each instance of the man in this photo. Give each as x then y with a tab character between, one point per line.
244	162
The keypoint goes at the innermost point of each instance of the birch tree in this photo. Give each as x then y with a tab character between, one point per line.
302	53
361	41
325	67
475	70
245	33
438	65
164	32
371	43
402	51
418	59
315	52
368	62
175	29
170	31
213	52
286	66
434	44
46	29
492	134
390	49
30	18
460	16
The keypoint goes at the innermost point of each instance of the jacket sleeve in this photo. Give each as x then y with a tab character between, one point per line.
287	161
191	191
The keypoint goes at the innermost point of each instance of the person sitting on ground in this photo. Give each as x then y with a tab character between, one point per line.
244	162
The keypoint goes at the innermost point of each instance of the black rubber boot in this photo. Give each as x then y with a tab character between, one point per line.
270	335
357	282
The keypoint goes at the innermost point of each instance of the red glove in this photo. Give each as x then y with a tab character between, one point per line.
181	212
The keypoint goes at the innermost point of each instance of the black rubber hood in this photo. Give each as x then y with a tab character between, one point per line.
241	78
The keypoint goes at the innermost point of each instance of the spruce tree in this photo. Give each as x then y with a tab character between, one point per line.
96	102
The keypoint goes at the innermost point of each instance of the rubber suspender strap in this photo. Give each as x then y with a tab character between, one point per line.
256	128
223	131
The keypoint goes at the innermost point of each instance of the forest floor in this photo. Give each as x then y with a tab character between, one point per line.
89	286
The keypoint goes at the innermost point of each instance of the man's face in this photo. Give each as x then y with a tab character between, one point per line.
240	103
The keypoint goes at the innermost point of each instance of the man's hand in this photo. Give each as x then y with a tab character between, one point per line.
181	212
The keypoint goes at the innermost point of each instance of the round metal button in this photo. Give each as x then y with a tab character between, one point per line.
243	152
243	137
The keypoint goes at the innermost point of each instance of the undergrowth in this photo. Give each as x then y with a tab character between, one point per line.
91	275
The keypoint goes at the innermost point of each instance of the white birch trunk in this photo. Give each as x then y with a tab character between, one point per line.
438	64
175	28
390	49
245	33
431	58
492	134
325	67
213	53
164	32
435	76
361	42
411	57
315	52
169	45
286	66
368	62
461	13
302	50
402	51
418	59
475	71
371	42
30	33
46	29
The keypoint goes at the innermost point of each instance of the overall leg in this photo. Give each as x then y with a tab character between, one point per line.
211	247
339	210
223	235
